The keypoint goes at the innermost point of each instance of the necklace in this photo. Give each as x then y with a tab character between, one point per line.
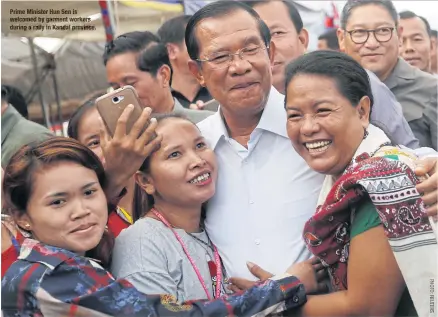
208	245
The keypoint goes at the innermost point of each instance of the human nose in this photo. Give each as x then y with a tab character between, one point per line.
309	125
372	41
239	64
196	160
80	209
407	46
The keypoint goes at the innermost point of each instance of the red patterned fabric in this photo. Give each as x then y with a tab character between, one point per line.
390	184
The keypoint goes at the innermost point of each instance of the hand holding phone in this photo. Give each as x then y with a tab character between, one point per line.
112	105
125	152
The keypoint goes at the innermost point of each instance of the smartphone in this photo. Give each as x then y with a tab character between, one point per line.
211	105
111	106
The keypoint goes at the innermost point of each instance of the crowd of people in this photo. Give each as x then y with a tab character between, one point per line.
269	179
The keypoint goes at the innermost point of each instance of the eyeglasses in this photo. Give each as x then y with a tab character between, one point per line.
222	60
382	35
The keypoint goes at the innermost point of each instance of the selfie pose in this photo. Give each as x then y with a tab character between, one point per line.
168	251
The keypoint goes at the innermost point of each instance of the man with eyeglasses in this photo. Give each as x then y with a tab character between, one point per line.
291	40
265	191
370	33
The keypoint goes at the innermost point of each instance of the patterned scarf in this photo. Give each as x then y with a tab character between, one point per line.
384	175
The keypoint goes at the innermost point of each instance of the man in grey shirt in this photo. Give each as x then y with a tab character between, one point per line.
291	40
377	49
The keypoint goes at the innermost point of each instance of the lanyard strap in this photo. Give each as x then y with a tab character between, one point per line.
192	262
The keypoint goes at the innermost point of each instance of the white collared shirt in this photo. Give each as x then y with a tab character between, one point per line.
264	194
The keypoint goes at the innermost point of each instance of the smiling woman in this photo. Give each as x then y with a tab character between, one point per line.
370	228
55	188
167	251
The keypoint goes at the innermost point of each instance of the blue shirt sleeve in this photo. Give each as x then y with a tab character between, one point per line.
121	298
387	114
28	289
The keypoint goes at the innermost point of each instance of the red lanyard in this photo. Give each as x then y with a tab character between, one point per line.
192	262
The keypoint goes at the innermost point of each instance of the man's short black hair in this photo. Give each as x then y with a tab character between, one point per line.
353	4
331	38
152	58
14	97
433	33
173	30
405	15
294	14
215	10
129	42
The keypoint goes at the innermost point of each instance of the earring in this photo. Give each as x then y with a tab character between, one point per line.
365	133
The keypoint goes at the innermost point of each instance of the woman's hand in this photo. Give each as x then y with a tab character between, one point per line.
312	274
125	152
428	187
240	284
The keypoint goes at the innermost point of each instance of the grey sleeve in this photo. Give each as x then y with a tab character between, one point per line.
387	114
153	283
151	274
431	115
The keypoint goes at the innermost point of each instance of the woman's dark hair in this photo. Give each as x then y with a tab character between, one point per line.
20	173
351	79
75	119
216	10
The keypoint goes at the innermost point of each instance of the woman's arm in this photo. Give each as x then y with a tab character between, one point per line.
120	298
375	283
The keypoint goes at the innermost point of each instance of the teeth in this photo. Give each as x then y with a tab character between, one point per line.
315	145
201	178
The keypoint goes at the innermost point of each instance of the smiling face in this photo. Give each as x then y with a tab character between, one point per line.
67	207
378	57
416	46
183	171
289	44
242	87
323	125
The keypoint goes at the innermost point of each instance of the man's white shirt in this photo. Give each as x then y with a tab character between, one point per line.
264	194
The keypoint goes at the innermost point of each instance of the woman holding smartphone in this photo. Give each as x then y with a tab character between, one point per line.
84	126
168	251
56	189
